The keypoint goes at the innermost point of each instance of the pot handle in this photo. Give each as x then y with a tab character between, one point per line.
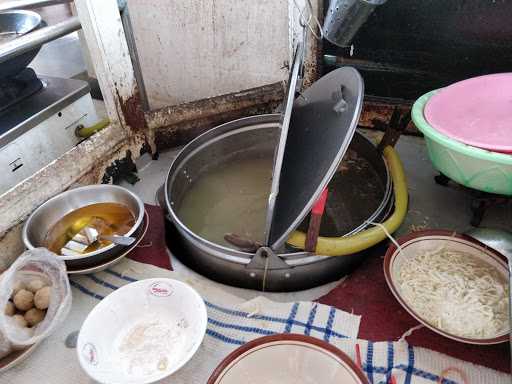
348	245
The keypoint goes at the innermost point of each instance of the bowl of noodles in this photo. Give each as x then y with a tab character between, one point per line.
452	284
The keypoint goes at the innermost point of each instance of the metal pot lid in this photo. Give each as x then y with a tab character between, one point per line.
315	135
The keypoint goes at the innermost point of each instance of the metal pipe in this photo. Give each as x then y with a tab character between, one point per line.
29	4
39	37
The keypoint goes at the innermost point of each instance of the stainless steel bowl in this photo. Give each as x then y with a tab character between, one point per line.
19	22
14	24
47	215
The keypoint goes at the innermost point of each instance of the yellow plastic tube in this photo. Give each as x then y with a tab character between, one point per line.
86	132
347	245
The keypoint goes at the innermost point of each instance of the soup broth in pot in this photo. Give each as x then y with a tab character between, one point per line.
230	197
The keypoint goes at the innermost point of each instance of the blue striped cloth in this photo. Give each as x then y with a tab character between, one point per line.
232	322
235	324
231	325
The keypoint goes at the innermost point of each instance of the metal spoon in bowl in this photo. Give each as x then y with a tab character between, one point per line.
118	240
92	235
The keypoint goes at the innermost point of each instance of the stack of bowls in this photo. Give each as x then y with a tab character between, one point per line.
469	147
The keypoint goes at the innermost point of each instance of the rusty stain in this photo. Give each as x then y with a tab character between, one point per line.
311	74
212	107
177	125
377	113
313	65
133	113
181	133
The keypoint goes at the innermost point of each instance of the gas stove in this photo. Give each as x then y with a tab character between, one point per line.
38	119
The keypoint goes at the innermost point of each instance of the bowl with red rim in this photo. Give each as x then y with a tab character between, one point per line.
287	359
142	332
430	240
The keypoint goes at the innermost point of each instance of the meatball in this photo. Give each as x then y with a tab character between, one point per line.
34	316
24	300
42	298
35	285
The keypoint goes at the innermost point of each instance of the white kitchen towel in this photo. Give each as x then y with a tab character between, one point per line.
232	322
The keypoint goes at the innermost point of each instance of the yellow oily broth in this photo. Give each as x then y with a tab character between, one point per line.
116	219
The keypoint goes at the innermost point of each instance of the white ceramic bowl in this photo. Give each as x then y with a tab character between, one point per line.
429	240
142	332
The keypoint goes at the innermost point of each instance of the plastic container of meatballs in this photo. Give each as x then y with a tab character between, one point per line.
36	298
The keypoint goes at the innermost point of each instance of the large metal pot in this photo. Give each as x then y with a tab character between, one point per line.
288	270
13	24
48	214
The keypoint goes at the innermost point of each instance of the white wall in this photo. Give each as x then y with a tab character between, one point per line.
195	49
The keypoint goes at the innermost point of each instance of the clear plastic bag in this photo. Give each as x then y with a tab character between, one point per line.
42	264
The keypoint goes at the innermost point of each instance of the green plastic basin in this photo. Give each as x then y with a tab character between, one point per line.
470	166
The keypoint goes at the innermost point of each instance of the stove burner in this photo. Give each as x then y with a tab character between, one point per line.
16	88
481	200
